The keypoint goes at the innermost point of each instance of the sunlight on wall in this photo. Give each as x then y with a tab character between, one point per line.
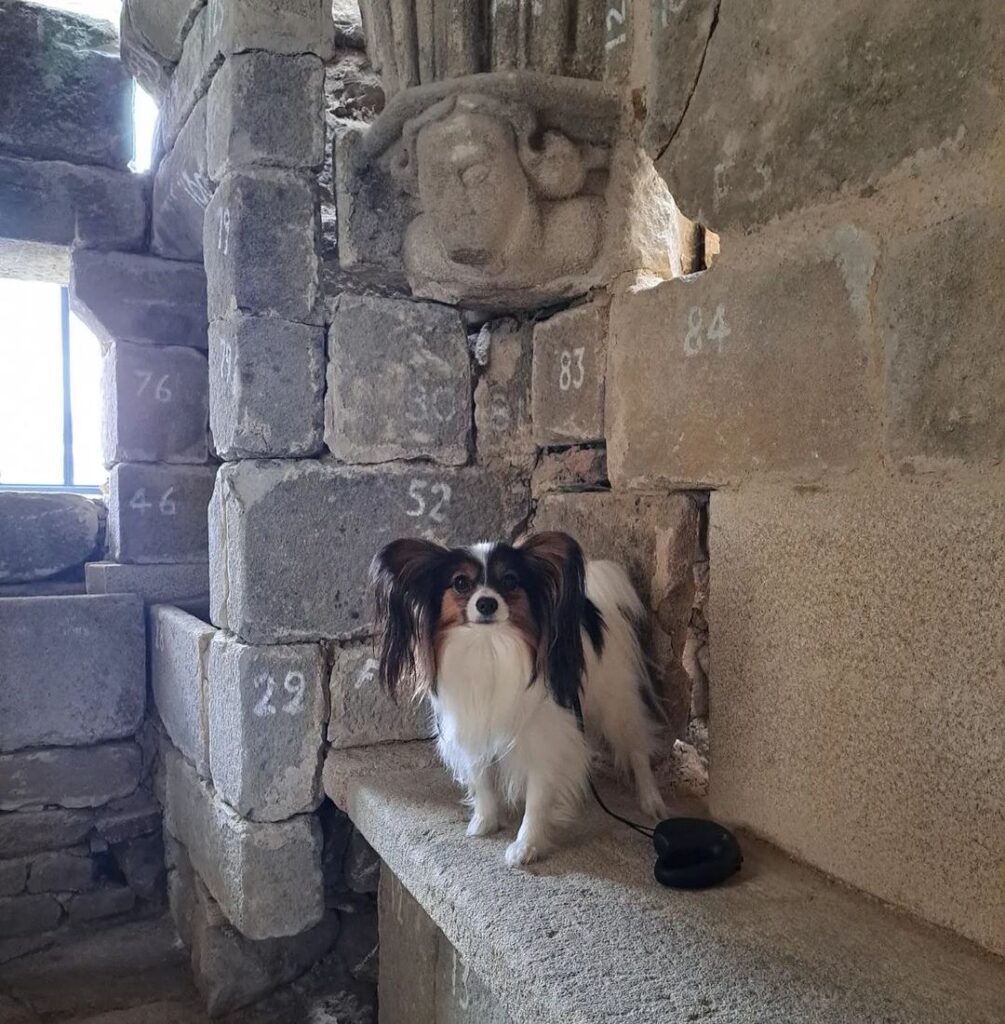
31	389
31	396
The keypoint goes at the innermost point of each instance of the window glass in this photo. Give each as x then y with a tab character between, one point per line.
31	383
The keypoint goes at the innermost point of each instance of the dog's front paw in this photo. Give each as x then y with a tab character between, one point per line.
523	851
482	825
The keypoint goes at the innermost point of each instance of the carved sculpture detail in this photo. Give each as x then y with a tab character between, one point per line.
503	204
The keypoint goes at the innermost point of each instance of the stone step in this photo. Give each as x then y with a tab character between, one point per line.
588	937
72	670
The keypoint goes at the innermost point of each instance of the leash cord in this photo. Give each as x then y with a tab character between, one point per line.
641	829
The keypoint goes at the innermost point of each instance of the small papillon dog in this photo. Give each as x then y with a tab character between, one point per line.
512	645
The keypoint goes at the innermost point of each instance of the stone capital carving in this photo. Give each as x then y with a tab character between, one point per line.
505	179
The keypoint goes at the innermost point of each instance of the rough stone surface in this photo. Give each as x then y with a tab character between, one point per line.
13	877
571	469
265	109
230	970
780	944
157	513
856	698
409	947
162	26
65	95
266	387
190	80
59	204
399	382
168	584
503	396
45	534
336	518
24	915
878	90
261	244
182	191
62	871
362	865
944	333
267	710
156	404
107	973
280	26
570	367
33	831
108	901
179	656
371	215
144	299
344	767
713	379
69	776
152	71
266	877
72	670
361	712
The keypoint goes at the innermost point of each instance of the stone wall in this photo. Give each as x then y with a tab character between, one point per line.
837	378
80	838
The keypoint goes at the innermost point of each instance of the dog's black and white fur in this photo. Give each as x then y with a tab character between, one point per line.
506	641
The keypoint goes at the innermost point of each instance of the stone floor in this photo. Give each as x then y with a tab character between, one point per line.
139	974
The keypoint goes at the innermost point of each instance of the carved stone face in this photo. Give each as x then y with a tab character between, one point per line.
472	187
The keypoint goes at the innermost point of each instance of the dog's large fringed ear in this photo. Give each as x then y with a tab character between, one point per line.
402	576
557	561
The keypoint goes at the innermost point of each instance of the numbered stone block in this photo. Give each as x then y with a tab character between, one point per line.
84	684
399	381
159	513
266	387
42	535
182	191
361	712
156	404
265	876
267	712
66	96
944	338
179	673
69	776
757	369
262	234
157	584
143	299
724	163
503	394
570	366
335	518
265	109
55	203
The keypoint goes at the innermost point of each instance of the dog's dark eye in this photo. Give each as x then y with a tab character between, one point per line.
461	583
509	582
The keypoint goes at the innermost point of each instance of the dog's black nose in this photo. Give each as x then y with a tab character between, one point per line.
486	605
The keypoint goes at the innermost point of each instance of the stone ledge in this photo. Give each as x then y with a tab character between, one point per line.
587	937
